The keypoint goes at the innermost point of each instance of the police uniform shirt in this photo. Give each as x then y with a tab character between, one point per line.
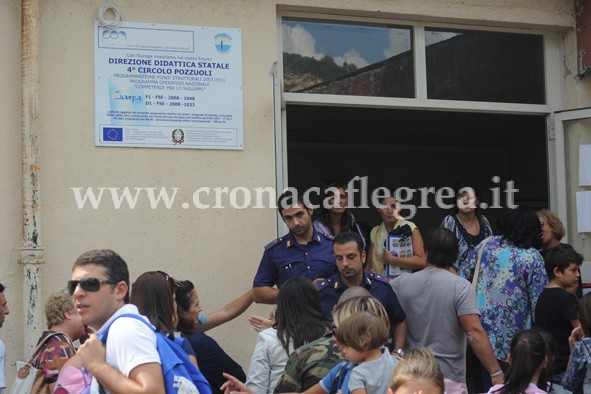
284	258
330	291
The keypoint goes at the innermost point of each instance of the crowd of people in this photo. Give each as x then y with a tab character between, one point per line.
358	310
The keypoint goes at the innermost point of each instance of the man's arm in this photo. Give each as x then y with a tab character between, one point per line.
265	295
400	335
229	311
480	344
143	379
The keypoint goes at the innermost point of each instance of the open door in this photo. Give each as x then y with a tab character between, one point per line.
573	129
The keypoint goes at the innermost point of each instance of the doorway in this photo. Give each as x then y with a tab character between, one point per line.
417	149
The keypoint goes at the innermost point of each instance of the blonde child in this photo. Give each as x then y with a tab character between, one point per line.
418	372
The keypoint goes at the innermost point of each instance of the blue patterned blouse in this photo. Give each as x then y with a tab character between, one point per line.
510	281
578	372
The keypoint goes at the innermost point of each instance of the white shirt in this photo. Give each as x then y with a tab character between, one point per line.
267	363
2	367
130	343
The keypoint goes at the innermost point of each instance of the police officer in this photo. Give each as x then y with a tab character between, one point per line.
301	252
350	259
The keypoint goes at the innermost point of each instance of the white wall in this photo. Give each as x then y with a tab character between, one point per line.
218	249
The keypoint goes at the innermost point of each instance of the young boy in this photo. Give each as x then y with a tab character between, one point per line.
556	309
361	338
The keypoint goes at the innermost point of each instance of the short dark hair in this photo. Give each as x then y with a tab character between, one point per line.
2	287
349	236
115	267
461	187
441	246
561	256
290	198
521	226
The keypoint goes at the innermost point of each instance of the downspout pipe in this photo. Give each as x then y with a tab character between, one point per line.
31	253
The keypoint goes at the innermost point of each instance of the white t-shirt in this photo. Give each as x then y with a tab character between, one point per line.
2	367
130	343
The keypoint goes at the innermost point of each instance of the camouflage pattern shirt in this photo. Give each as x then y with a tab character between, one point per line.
308	364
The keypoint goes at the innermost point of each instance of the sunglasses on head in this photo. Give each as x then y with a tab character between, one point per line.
88	284
170	279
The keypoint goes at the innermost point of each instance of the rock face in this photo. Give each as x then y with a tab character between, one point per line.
295	82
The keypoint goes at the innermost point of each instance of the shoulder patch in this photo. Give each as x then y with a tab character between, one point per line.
378	278
321	283
328	236
273	243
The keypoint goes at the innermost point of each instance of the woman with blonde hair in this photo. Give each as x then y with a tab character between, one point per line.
552	230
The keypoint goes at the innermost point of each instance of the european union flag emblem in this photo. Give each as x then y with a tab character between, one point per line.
112	134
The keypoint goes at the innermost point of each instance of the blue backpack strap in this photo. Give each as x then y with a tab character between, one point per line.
173	359
344	367
345	370
105	333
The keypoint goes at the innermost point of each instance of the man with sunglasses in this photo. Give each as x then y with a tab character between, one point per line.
129	361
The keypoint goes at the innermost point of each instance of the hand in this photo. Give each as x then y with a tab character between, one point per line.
397	356
234	386
387	257
259	323
92	352
499	379
575	335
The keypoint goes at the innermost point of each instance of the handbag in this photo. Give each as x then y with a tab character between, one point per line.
28	378
72	380
477	268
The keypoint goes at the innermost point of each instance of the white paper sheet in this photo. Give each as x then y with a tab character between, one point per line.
585	165
584	212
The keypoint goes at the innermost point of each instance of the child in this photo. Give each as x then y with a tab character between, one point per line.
361	338
578	377
556	309
527	359
418	372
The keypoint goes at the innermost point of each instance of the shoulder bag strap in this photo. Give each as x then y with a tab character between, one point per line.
40	346
587	355
477	268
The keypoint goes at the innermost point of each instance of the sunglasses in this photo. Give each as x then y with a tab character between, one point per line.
170	279
88	284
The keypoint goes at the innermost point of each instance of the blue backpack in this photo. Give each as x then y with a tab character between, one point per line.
180	374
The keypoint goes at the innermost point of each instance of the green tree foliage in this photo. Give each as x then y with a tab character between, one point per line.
325	68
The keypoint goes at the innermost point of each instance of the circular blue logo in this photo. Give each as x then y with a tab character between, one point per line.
223	42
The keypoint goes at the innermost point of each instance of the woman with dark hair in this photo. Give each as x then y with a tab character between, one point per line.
335	217
299	320
467	223
213	360
153	293
509	275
